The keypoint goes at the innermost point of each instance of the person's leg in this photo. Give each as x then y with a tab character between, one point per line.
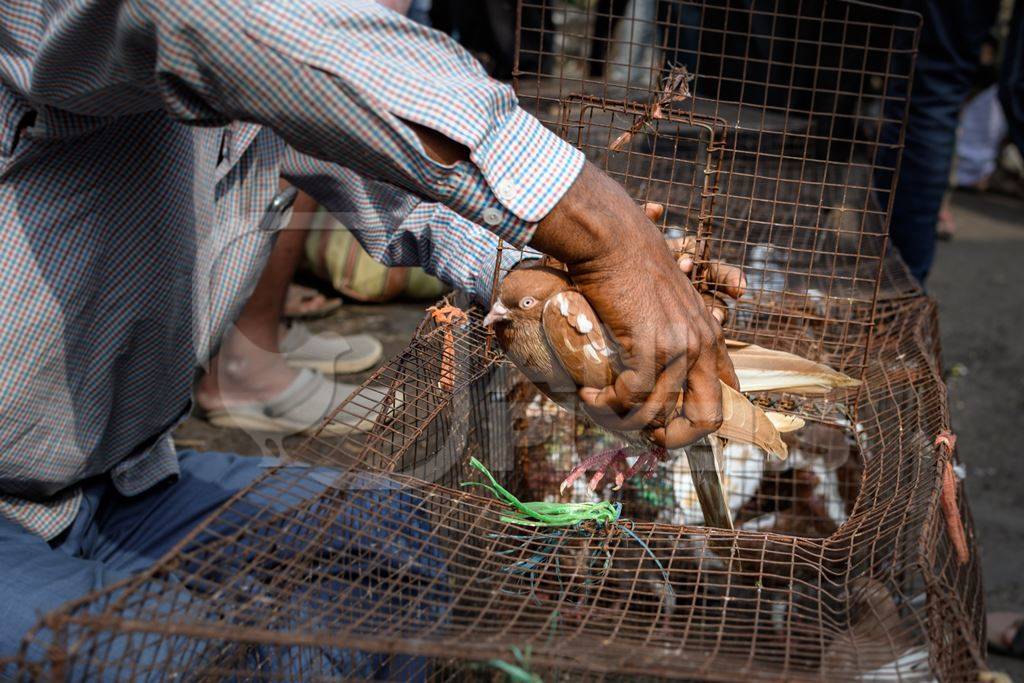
1011	77
367	551
36	579
269	378
112	538
950	44
134	532
249	365
607	15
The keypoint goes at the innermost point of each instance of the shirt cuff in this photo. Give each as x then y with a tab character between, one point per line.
463	254
483	290
524	170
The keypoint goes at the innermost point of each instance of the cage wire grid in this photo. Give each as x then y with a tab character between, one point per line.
362	557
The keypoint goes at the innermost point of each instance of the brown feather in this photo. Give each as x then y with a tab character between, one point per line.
744	422
526	346
577	339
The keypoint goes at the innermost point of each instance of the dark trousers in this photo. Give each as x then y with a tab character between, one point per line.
1011	78
951	40
380	533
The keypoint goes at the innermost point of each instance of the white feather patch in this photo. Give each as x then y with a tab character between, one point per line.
590	353
583	324
563	304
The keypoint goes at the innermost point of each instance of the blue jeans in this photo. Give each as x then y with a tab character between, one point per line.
114	537
949	49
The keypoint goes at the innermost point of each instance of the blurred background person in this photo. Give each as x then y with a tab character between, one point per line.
950	51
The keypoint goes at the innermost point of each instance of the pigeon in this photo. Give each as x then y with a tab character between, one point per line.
552	334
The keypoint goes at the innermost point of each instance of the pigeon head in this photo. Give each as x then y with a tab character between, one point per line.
523	292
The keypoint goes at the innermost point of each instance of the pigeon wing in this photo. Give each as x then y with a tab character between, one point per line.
578	339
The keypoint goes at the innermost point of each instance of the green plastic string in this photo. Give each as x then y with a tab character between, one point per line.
543	513
517	673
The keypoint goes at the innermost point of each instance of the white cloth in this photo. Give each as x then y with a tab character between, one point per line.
981	134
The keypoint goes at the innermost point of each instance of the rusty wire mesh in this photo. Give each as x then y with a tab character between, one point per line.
771	130
363	558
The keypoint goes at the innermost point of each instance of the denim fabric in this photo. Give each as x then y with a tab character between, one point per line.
380	531
950	44
1011	77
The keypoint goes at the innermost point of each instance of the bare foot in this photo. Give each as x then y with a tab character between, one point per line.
242	372
1004	633
305	302
946	227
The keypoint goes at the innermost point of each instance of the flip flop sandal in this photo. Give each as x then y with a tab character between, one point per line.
300	408
329	353
998	624
299	295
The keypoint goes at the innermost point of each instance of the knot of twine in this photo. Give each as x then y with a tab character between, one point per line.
946	442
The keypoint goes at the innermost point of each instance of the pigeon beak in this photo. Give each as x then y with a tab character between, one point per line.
497	313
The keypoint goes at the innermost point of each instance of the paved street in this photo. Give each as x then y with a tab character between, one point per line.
977	283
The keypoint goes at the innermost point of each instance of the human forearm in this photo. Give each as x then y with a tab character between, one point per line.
400	229
346	82
596	219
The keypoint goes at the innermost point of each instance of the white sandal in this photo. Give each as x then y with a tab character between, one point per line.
300	408
329	353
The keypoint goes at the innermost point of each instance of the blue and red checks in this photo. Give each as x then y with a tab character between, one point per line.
140	144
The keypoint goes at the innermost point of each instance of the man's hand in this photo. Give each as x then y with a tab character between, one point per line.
724	281
670	344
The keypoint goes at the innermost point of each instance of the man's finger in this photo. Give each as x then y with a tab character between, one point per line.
682	245
609	409
677	434
654	211
726	372
726	278
702	407
603	405
721	276
715	306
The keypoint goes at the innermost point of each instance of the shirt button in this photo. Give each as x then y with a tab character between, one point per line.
507	190
492	216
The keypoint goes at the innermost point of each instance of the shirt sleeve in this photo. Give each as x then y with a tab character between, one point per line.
337	79
400	229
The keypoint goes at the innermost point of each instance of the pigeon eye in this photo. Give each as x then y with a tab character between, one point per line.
527	302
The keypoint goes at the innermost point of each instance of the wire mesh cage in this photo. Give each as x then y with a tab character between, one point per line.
770	130
771	133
